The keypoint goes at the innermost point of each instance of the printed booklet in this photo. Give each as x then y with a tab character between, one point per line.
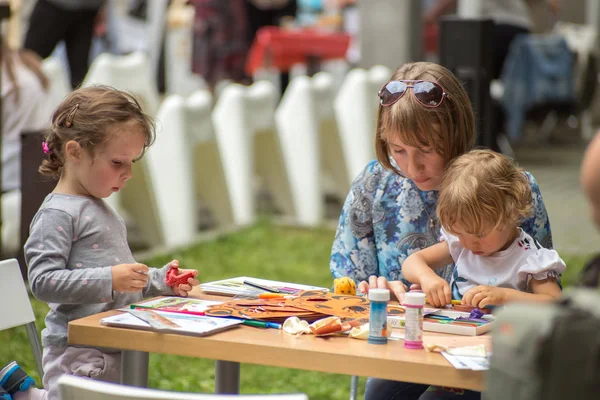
168	322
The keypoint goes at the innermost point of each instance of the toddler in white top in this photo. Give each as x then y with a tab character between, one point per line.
483	197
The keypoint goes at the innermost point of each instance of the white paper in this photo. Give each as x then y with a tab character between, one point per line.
397	335
177	304
236	286
465	362
194	325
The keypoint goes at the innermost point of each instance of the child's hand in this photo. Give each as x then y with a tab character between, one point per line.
129	277
182	289
437	290
481	296
396	287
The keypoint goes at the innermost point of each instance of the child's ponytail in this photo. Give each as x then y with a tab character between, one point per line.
52	165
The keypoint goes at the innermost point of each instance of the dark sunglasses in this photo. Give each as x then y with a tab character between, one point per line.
428	93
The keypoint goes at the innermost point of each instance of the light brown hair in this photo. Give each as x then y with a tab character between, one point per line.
86	116
483	189
448	129
11	58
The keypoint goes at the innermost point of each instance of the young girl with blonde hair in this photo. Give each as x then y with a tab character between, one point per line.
77	253
484	197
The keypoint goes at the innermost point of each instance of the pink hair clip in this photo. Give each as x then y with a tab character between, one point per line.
46	148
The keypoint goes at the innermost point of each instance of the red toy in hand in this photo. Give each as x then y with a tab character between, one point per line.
174	278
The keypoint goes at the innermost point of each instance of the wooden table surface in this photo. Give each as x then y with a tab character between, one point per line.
272	347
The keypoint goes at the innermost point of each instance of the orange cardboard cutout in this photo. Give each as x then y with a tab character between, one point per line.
309	305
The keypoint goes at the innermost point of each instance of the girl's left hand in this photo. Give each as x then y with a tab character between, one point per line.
397	288
184	288
481	296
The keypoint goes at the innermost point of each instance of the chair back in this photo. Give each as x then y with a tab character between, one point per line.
244	125
75	388
131	73
356	113
17	310
13	293
60	86
176	214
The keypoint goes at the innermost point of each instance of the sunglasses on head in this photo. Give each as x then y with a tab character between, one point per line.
428	93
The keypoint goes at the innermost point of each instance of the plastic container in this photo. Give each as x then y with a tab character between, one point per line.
378	316
413	330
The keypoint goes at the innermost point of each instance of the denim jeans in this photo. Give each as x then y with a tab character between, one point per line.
381	389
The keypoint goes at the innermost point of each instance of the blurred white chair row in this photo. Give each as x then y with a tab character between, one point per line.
315	142
76	388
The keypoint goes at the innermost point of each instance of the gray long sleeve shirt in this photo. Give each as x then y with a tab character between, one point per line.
73	243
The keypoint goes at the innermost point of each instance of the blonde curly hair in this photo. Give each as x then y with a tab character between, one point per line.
483	189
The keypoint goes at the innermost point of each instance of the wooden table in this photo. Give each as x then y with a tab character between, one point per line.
276	348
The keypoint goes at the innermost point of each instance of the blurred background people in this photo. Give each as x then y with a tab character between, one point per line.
53	21
220	41
24	108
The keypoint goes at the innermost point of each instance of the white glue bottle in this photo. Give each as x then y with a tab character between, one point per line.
413	331
378	315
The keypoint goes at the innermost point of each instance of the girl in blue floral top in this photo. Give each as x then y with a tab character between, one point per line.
390	211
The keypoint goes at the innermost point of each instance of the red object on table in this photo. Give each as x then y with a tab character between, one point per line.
174	278
282	48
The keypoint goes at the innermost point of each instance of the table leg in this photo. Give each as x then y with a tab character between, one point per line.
227	377
134	368
353	387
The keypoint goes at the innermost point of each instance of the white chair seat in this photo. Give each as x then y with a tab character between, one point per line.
77	388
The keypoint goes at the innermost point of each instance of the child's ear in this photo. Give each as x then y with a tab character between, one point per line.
73	150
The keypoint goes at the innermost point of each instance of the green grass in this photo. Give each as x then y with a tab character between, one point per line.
266	251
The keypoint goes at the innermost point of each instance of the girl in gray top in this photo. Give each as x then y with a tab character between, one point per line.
77	253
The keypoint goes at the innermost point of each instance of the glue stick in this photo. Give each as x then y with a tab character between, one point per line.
378	315
413	331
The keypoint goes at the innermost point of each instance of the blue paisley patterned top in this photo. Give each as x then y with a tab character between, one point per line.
386	218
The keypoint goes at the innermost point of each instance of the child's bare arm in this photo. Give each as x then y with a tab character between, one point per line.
482	296
419	267
546	289
423	262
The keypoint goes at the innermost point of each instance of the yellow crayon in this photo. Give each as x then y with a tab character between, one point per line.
453	302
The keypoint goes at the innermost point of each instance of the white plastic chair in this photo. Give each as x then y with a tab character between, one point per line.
169	175
185	148
333	162
76	388
243	119
206	162
60	85
132	73
355	110
16	309
310	145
